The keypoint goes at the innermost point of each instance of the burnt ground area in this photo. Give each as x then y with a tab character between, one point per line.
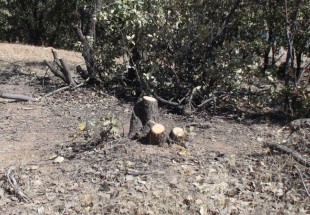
224	170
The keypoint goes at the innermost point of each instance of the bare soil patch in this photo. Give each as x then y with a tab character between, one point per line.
224	170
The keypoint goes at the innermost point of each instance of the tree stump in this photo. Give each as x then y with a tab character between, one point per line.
157	135
144	114
177	136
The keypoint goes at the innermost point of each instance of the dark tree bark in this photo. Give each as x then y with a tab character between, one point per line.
144	115
290	28
88	37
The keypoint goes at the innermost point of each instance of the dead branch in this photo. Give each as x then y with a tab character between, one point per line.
198	125
62	70
56	91
65	70
17	97
63	88
15	187
282	148
209	100
55	71
303	182
56	58
137	172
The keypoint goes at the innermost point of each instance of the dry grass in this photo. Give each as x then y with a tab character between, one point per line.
19	53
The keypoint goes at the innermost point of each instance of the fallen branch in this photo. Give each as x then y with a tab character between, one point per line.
137	172
282	148
303	182
15	187
209	100
18	97
63	88
56	91
198	125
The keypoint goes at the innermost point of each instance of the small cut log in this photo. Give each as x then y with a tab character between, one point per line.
157	135
177	136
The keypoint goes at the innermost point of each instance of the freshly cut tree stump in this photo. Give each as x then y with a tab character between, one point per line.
157	135
177	135
144	114
150	109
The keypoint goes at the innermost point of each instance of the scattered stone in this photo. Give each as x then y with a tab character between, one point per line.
59	159
86	200
41	210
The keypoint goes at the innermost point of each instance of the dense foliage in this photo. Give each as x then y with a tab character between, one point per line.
188	54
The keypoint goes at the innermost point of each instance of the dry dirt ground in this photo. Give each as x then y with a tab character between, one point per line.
224	170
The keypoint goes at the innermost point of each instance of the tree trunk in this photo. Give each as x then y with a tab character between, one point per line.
145	113
88	44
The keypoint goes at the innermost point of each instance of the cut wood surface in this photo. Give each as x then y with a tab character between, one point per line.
177	135
157	135
150	108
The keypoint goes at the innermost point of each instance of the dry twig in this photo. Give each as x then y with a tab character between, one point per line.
15	187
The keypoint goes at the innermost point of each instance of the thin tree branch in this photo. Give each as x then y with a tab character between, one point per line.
303	182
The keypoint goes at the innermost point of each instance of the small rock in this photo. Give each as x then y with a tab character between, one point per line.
86	200
129	178
131	205
259	139
1	193
41	210
203	210
198	201
149	212
174	182
37	183
156	193
59	159
199	178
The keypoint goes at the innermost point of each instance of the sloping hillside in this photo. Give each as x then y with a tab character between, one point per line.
48	167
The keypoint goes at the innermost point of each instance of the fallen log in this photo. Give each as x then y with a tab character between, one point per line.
284	149
18	97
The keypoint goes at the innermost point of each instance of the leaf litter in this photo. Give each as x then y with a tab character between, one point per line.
223	169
